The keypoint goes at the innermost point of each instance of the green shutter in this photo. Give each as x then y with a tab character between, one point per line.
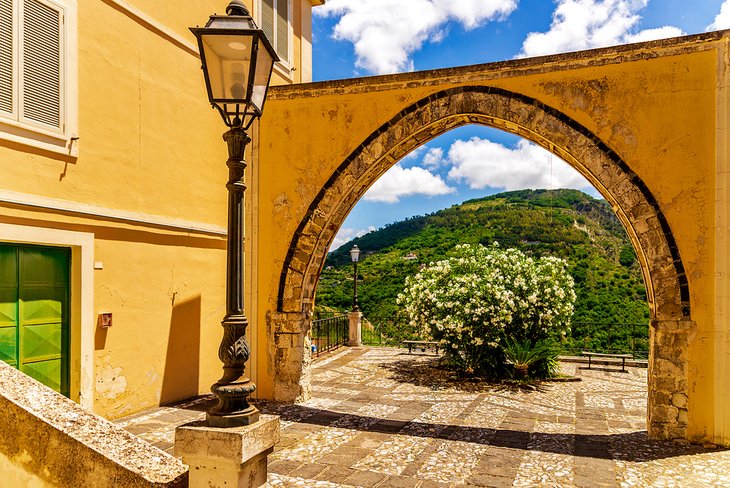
34	312
9	305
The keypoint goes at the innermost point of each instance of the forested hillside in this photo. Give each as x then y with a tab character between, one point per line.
563	223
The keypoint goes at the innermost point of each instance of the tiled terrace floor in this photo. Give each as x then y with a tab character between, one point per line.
380	417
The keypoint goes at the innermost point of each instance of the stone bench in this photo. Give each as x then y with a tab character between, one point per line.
607	357
422	344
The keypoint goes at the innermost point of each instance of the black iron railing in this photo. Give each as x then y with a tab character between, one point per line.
391	330
329	333
387	330
326	314
608	338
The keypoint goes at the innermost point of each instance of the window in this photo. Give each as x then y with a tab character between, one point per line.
275	16
35	71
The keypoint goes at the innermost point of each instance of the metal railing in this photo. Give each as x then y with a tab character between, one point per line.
608	338
326	314
388	330
590	336
329	333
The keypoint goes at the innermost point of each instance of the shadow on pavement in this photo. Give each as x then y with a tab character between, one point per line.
634	446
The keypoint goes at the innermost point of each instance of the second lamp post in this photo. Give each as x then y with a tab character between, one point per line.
355	257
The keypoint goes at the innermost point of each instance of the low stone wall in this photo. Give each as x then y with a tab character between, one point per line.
48	440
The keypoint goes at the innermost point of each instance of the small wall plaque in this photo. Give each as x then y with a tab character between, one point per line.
105	319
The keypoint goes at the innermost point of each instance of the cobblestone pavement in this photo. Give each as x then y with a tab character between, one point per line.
380	417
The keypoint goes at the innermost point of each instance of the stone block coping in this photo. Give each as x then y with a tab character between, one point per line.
48	439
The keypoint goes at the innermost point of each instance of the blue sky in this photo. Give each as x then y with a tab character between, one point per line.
365	37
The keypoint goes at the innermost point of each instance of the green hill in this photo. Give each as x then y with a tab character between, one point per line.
563	223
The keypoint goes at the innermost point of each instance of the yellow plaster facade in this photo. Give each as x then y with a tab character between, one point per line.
139	197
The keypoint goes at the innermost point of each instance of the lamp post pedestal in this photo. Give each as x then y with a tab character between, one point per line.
233	388
355	331
235	457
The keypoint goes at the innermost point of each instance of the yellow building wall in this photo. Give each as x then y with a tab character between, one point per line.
654	104
150	149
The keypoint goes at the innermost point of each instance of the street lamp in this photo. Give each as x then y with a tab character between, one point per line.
355	257
237	60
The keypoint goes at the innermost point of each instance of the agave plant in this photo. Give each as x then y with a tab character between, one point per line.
541	356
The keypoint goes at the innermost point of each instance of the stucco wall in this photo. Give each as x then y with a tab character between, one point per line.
654	104
148	187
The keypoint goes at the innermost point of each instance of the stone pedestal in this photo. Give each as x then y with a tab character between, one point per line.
355	335
233	457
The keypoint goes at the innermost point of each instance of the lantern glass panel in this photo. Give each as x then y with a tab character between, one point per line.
264	63
228	60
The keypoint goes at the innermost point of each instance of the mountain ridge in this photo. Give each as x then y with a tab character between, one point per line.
565	223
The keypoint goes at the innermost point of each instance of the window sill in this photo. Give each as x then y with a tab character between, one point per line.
284	70
62	144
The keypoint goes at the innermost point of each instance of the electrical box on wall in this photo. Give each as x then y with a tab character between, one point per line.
105	319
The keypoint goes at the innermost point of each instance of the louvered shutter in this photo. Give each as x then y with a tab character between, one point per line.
6	56
267	19
282	29
41	54
275	24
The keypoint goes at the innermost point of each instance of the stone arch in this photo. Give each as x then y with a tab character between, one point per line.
639	211
633	202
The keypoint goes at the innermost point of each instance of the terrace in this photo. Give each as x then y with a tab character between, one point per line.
380	417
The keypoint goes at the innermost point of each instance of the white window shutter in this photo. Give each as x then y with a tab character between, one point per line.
6	56
282	29
41	76
267	20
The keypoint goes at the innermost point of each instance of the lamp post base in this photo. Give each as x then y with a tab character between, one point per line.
233	409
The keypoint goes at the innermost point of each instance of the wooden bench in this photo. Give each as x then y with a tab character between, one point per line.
622	357
422	344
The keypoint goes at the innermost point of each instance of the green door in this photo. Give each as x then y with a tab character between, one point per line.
34	312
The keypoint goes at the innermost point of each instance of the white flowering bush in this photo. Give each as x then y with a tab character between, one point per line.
481	297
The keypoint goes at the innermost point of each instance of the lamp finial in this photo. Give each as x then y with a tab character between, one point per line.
237	7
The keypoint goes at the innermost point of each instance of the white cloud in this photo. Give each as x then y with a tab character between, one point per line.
386	33
722	20
481	163
587	24
346	234
433	158
654	34
400	182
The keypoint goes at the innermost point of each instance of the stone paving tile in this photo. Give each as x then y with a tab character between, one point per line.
373	422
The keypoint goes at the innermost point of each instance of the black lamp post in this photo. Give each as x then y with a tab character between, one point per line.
355	256
237	60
